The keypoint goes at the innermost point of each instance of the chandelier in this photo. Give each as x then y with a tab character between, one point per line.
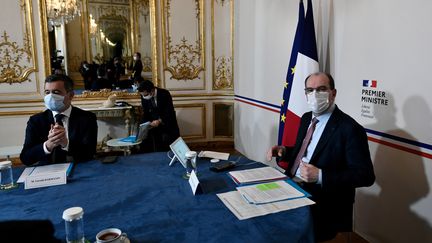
61	11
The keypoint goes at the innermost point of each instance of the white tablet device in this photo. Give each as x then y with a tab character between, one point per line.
179	149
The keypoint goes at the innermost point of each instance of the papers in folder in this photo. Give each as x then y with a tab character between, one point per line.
242	210
257	175
269	192
274	195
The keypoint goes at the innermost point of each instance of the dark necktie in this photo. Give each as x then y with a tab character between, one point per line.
58	154
304	146
153	102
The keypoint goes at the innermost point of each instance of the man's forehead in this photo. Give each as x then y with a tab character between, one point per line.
55	85
318	80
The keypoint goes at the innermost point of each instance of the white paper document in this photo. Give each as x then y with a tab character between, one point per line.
269	192
256	175
214	155
243	210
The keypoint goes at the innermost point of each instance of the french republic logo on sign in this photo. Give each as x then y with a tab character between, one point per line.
370	83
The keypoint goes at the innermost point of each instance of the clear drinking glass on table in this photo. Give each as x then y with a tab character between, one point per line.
191	157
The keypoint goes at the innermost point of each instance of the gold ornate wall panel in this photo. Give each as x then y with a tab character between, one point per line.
183	44
222	24
191	119
18	60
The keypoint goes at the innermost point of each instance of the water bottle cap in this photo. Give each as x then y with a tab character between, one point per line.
73	213
190	154
5	164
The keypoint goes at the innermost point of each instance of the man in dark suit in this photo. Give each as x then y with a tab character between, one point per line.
332	163
62	130
158	109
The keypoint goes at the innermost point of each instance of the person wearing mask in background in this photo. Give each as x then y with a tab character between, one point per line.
329	159
86	74
137	66
158	109
62	132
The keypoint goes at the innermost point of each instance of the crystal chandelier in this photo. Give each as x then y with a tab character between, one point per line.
61	11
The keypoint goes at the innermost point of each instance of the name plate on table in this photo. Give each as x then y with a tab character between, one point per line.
43	180
47	175
194	183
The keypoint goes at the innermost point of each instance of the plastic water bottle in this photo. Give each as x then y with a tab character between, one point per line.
6	176
74	224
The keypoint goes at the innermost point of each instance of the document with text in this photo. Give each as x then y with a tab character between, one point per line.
256	175
242	210
269	192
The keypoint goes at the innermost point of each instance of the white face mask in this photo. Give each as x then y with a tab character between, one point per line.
135	58
147	97
54	102
318	102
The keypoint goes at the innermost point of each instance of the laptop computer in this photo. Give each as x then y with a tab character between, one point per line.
141	134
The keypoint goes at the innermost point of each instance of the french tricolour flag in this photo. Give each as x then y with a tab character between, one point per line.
370	83
303	61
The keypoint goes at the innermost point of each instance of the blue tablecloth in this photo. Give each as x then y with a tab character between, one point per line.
151	202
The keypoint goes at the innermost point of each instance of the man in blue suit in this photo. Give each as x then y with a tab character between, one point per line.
333	161
62	132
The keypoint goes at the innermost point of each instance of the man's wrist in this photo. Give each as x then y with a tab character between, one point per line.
45	148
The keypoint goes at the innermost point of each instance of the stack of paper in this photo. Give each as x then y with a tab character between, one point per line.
269	192
213	155
243	210
272	196
257	175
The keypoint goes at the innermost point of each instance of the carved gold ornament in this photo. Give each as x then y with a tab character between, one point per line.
105	93
223	73
186	59
11	69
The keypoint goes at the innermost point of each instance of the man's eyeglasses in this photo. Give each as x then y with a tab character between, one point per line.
318	90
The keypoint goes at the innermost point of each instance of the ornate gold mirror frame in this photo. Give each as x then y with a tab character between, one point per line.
85	18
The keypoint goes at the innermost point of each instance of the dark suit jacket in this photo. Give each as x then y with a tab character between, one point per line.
137	69
165	111
82	132
342	154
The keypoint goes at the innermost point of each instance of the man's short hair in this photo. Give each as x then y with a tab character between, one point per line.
328	75
138	54
145	85
68	82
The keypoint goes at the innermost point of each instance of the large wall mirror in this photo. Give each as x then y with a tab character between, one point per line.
106	31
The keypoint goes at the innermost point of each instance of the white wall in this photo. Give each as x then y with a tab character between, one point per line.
388	41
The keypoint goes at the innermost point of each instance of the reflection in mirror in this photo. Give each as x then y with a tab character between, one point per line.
108	32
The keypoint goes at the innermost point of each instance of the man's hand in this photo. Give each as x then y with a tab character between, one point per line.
275	151
155	123
308	172
56	137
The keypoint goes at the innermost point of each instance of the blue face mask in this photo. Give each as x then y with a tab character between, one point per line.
54	102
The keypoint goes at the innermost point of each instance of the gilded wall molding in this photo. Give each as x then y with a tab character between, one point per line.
19	61
184	59
222	60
